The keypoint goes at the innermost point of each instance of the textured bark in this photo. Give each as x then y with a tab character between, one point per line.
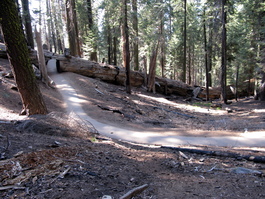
27	22
72	28
184	68
117	75
152	71
89	14
41	58
17	51
125	46
135	42
206	59
223	67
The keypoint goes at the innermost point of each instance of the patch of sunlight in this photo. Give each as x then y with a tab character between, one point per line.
253	134
183	106
8	115
259	110
75	99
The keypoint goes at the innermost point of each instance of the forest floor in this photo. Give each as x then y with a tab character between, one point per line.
57	156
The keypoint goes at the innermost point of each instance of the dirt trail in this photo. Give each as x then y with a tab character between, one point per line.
148	136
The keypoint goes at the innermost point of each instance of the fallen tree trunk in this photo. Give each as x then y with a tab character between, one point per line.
117	75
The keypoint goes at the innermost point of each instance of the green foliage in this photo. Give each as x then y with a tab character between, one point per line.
161	21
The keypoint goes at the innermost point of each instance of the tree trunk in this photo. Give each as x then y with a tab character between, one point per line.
152	71
145	71
223	68
41	58
72	28
115	51
19	59
185	43
162	46
237	79
126	50
206	58
135	41
110	53
260	92
89	15
49	39
189	64
27	22
58	40
93	54
210	52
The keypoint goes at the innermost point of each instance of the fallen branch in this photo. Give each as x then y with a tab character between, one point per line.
11	187
99	91
132	193
116	111
258	159
110	109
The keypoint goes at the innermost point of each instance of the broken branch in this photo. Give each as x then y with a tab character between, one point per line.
134	192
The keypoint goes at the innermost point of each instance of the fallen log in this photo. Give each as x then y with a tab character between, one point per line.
215	93
117	75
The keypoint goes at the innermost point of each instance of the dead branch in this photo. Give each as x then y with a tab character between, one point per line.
11	187
99	91
258	159
110	109
132	193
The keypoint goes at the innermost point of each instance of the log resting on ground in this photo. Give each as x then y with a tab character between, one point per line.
117	75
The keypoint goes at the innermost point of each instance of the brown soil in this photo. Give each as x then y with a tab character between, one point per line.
57	156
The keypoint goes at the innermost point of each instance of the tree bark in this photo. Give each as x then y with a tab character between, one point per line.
223	67
135	41
19	59
27	22
110	53
41	58
184	68
206	58
126	50
72	28
89	15
152	71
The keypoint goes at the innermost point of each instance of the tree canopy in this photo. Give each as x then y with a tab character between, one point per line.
189	34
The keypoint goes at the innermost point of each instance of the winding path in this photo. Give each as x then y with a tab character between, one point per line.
253	139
